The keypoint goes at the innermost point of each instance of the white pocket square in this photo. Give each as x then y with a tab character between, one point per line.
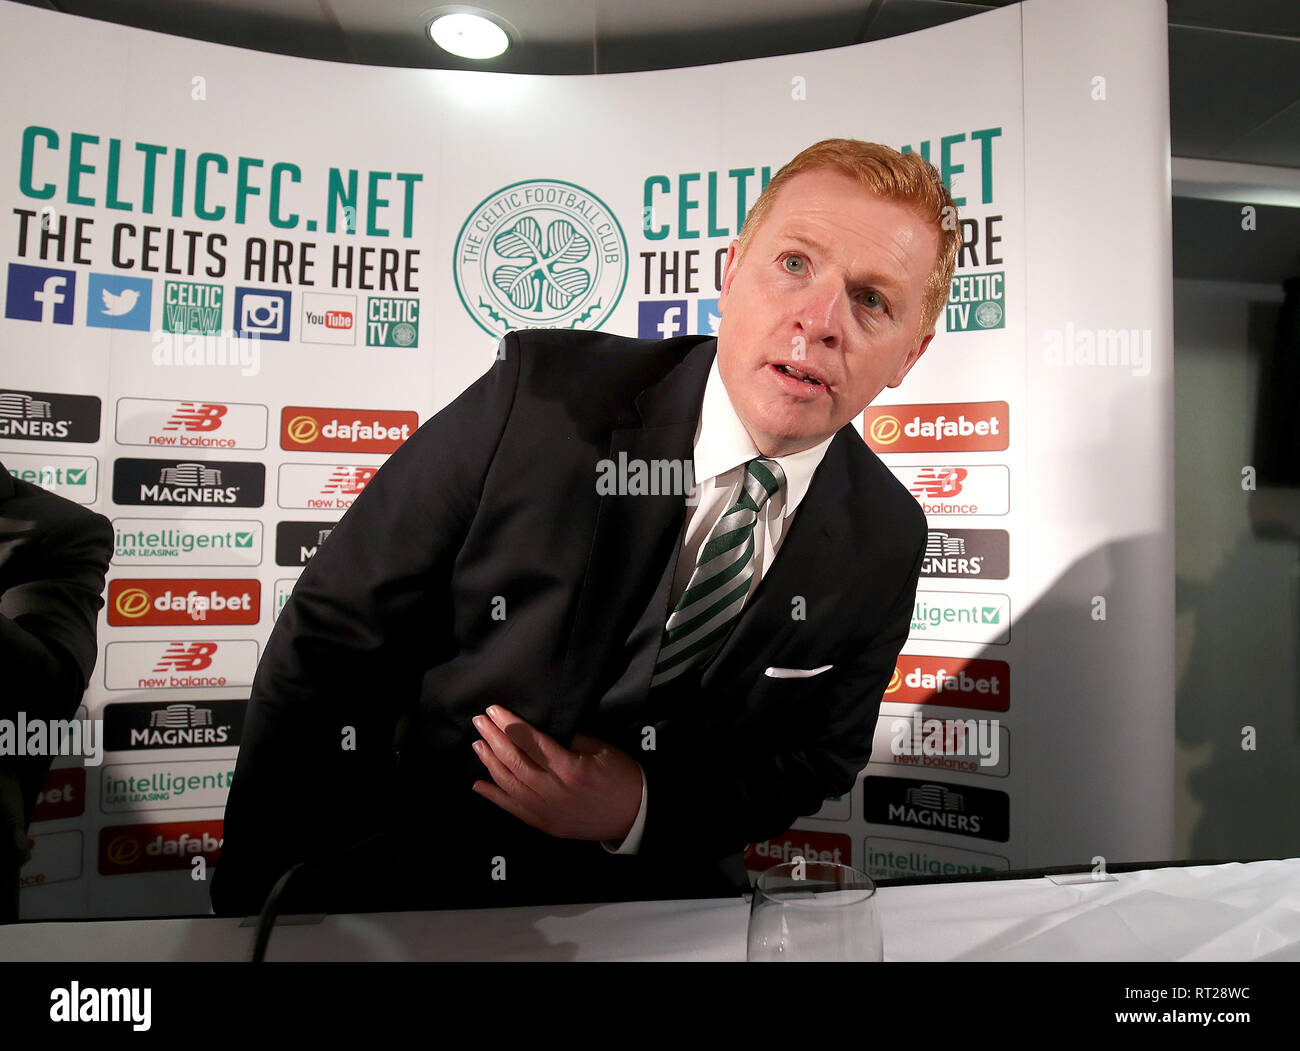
796	673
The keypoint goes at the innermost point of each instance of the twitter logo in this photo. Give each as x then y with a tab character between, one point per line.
113	301
709	318
116	306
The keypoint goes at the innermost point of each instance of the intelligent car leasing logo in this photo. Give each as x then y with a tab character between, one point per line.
186	542
75	478
540	254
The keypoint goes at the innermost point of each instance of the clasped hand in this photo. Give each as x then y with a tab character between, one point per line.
592	791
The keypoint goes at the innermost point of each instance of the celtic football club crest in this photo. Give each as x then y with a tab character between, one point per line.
540	254
989	314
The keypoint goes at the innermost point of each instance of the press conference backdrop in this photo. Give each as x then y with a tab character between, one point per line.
235	282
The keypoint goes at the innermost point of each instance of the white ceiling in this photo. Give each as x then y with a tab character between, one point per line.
1234	67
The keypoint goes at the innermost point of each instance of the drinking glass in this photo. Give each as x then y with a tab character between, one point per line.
814	911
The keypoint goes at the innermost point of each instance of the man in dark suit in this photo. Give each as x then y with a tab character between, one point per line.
653	687
53	557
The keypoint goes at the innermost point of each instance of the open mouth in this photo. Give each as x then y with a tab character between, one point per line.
798	374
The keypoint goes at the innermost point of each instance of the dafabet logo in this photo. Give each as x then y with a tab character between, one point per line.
979	426
157	848
831	847
345	430
955	682
136	603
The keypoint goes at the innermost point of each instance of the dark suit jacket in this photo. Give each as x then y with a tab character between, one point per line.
53	557
480	566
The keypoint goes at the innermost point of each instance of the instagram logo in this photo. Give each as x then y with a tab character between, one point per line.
262	313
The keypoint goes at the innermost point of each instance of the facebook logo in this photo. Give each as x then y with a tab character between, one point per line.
709	318
118	302
37	293
662	319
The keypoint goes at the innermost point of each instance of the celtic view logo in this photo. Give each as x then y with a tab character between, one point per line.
540	254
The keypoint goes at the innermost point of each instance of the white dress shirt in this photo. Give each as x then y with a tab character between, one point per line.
722	449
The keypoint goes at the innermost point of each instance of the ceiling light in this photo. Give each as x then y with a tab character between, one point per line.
468	35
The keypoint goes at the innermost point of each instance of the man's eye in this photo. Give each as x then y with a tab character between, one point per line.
794	264
873	300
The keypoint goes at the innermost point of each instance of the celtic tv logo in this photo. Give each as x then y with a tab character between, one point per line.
540	254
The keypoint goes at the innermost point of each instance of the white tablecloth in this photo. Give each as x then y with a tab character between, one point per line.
1223	912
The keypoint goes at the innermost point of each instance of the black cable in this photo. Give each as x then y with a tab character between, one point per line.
266	921
271	907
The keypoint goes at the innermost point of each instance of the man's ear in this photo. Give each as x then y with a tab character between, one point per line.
728	272
911	359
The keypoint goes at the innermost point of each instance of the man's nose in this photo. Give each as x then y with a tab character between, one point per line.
819	312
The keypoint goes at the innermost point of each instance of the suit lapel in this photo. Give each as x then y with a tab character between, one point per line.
820	539
635	538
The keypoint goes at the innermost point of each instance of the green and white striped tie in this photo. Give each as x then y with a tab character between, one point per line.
716	592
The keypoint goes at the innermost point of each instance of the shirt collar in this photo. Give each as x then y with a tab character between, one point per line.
722	443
